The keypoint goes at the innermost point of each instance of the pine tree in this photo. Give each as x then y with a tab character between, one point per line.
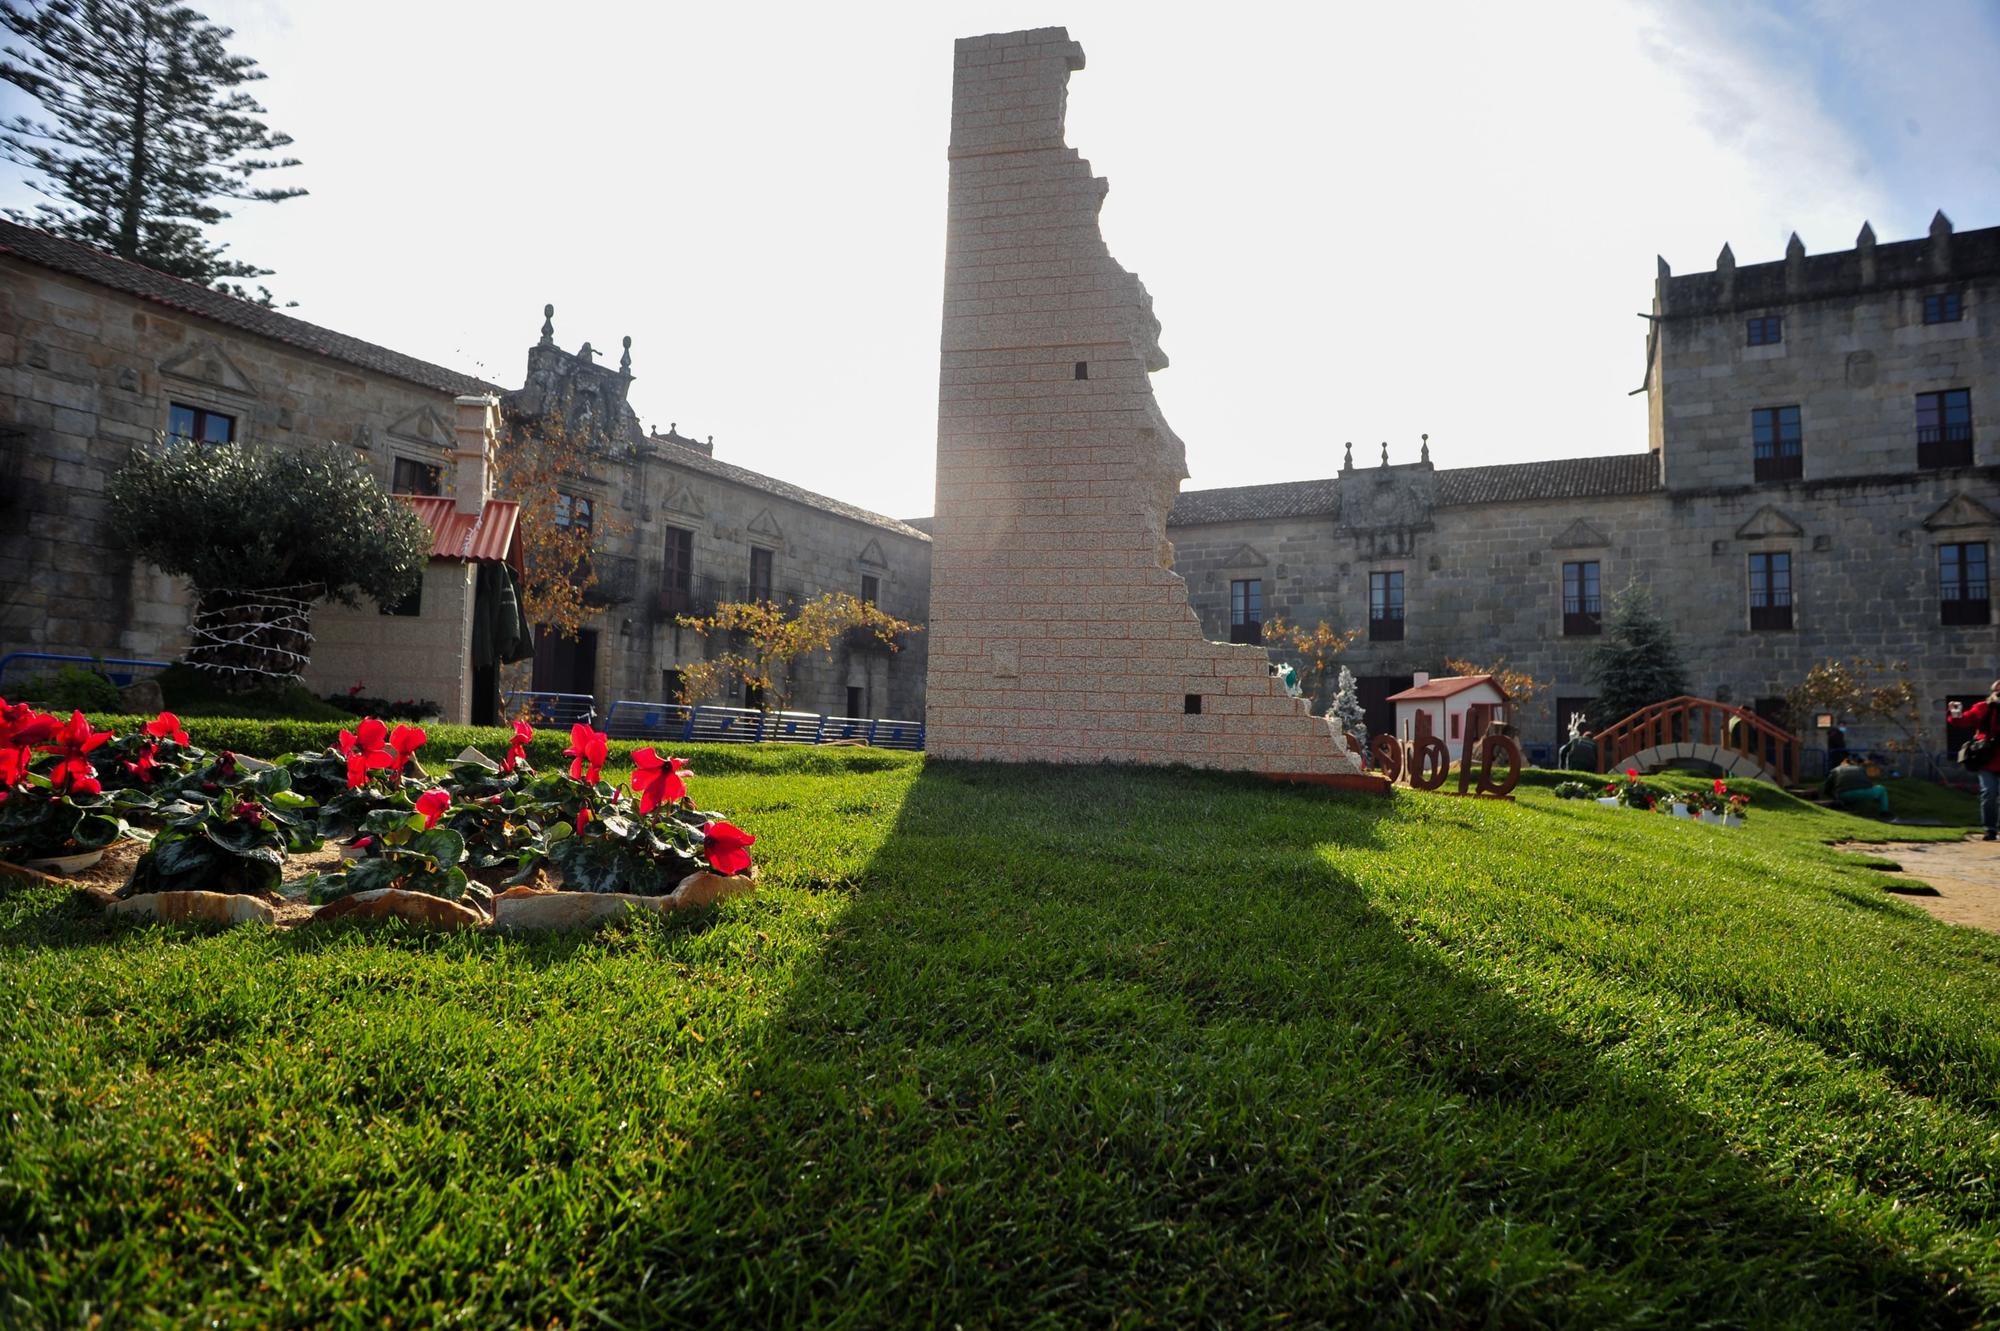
1637	662
1347	706
147	127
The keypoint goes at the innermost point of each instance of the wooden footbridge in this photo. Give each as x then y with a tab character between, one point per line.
1700	730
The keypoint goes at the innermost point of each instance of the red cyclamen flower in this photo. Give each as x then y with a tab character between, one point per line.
73	741
167	726
517	752
250	810
725	845
657	781
432	804
365	749
587	748
21	726
143	768
582	817
1631	774
406	741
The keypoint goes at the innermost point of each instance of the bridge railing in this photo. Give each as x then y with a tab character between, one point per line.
1690	720
631	719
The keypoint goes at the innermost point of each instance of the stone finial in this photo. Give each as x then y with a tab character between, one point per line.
1795	248
585	356
548	325
1940	247
1660	260
1795	264
1385	452
1348	463
1425	456
625	361
1864	246
711	443
1725	262
1865	238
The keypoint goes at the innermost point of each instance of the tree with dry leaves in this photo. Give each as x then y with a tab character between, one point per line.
1862	689
1317	648
768	639
540	466
1520	687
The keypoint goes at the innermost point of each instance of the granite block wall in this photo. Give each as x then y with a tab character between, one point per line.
1059	631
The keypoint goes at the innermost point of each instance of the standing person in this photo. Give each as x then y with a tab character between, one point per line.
1983	719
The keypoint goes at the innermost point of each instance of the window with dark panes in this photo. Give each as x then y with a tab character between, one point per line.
1944	428
1583	601
760	574
416	478
855	705
573	511
677	572
1777	444
871	588
198	425
1964	596
1945	307
1771	590
1246	610
1385	606
1767	330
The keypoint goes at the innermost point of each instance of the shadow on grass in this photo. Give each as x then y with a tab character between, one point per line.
1104	1047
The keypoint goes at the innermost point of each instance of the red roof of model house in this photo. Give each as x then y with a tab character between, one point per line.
491	534
1446	686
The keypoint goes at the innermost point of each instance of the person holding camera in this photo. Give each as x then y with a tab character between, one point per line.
1981	753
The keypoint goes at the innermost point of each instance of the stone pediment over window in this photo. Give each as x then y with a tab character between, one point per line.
682	499
1766	524
871	554
1961	511
207	364
1579	535
1246	556
424	426
766	525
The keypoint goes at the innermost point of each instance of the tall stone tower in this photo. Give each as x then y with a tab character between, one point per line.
1059	631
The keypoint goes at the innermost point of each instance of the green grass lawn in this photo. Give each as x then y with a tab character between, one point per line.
1009	1046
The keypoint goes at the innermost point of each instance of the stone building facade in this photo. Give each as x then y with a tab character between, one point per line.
98	356
1823	480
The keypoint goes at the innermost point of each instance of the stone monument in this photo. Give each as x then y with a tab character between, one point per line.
1059	631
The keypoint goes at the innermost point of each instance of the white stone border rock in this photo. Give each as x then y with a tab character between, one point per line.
528	908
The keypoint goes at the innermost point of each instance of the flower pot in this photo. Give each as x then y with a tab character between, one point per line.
62	866
1708	817
1610	801
1731	820
1678	810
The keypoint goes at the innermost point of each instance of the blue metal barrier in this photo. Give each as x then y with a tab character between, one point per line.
554	709
116	669
670	722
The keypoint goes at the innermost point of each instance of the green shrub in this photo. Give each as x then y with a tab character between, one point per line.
190	692
71	688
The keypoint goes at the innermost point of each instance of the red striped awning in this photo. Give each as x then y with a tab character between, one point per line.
491	535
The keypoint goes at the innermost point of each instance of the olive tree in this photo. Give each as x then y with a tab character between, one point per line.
262	533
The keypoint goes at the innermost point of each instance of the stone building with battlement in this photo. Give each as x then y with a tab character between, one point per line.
1822	480
99	356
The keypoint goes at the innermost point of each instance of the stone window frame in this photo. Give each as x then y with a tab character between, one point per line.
1774	622
1764	330
1400	620
436	470
1564	614
1944	307
770	587
1940	450
194	402
1246	630
1964	619
1780	465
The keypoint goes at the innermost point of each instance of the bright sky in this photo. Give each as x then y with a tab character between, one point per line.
1357	221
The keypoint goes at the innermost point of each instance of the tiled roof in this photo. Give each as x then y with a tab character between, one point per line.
1558	478
1445	687
1506	483
486	535
67	256
1239	503
695	460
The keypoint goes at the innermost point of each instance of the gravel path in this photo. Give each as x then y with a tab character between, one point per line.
1965	876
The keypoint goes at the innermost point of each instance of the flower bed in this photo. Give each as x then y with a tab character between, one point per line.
227	829
1717	805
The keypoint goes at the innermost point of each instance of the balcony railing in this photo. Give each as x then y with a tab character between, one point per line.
1944	445
1771	616
1386	628
617	580
1251	631
1780	467
1582	624
1962	610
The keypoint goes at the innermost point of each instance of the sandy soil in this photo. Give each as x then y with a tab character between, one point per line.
1964	877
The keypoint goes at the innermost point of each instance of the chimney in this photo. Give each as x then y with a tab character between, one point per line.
1420	678
472	478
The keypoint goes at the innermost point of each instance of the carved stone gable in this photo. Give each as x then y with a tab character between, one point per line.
681	498
1961	511
871	554
1766	524
206	363
764	524
1246	556
1580	535
424	426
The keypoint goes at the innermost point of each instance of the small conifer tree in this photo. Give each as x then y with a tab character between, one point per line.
1636	663
1347	706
